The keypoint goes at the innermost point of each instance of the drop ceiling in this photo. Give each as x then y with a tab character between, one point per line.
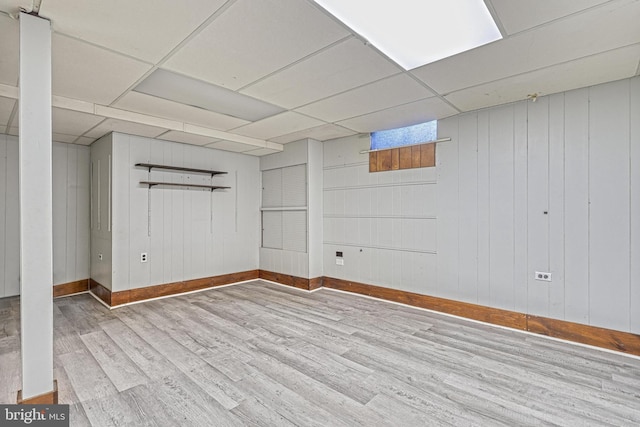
294	55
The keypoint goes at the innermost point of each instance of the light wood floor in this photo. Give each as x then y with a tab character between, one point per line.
261	354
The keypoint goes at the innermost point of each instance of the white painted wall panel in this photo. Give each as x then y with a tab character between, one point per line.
520	175
468	199
70	218
538	205
448	209
101	236
188	233
634	191
59	157
576	206
272	188
70	212
294	186
501	206
575	156
3	211
556	205
609	196
12	220
484	215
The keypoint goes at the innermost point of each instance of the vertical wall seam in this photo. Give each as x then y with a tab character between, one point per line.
630	92
548	206
458	205
564	212
489	201
589	206
513	211
477	211
526	211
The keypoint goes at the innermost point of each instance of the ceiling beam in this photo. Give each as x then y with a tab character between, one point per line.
71	104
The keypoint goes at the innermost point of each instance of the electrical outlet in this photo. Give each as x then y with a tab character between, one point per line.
99	257
542	275
143	257
339	261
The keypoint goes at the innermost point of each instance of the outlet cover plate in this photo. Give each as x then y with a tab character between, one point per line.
542	275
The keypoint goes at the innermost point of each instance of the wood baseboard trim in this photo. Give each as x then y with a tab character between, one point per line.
70	288
115	299
294	281
481	313
50	398
623	342
100	291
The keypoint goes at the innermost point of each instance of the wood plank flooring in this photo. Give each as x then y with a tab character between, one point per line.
265	355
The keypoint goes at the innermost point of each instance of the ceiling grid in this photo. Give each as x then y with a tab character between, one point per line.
327	80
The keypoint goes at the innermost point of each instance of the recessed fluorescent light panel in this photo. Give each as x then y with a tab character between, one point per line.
417	32
185	90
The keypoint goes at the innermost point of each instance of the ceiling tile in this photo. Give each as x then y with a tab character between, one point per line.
83	140
114	125
147	104
281	124
607	27
61	137
520	15
145	29
608	66
237	147
72	122
9	50
390	92
6	108
252	39
187	138
320	133
405	115
89	73
13	6
261	152
342	67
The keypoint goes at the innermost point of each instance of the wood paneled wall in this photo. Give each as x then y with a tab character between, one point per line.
70	214
9	217
188	234
547	186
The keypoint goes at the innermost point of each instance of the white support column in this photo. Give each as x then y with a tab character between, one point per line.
36	228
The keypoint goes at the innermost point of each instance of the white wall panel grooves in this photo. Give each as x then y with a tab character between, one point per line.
70	214
556	204
609	204
448	211
484	215
468	205
187	233
501	207
520	208
538	205
576	206
551	185
3	213
634	191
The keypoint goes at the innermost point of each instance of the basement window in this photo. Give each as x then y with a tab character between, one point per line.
408	135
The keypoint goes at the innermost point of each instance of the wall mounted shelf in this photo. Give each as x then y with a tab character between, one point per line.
177	184
180	168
